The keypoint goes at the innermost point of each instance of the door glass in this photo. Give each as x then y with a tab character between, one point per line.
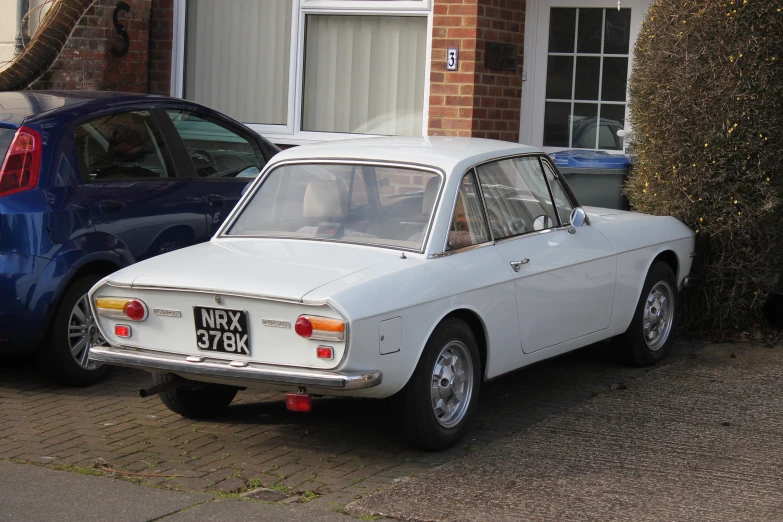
562	204
217	151
467	224
587	62
123	146
516	197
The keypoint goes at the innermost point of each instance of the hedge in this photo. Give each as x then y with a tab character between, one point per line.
706	105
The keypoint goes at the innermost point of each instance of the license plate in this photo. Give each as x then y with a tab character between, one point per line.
222	330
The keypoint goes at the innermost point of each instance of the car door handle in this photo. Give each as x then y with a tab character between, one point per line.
516	265
109	205
213	200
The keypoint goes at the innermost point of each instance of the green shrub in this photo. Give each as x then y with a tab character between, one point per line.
706	99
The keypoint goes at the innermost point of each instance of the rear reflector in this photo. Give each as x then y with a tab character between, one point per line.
122	330
320	328
298	402
324	352
22	164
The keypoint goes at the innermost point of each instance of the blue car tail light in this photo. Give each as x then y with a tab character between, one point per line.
22	164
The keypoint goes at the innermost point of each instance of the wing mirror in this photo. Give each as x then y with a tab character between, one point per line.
578	218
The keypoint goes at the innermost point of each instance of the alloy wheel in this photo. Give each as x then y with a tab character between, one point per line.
658	315
83	334
452	384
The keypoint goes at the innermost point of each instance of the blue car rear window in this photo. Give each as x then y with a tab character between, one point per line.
6	137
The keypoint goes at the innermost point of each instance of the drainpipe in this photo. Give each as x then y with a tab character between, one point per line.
22	8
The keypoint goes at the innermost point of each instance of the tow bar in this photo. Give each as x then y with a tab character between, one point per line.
166	386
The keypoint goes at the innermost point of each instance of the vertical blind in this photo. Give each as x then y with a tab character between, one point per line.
237	57
364	74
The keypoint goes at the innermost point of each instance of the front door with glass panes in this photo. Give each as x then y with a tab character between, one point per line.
581	62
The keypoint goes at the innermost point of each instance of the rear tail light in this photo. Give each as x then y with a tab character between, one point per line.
121	308
22	164
320	328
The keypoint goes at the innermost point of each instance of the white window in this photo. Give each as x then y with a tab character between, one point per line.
237	57
307	70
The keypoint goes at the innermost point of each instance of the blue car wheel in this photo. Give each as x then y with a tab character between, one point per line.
64	354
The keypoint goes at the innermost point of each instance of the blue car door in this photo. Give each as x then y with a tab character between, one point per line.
224	158
141	205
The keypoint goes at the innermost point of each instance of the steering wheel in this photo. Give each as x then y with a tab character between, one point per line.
503	223
203	160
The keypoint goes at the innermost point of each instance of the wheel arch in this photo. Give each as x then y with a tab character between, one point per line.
665	255
95	264
476	325
669	257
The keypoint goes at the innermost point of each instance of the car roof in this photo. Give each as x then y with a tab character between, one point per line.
17	106
444	152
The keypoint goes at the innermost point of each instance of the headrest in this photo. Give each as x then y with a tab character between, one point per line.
430	194
325	198
129	143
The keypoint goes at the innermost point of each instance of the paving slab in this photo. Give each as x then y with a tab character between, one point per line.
343	449
232	509
699	439
30	494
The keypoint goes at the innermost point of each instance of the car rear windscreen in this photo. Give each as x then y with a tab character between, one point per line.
6	137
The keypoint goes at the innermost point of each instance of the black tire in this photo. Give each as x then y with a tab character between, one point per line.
421	426
632	344
196	401
54	355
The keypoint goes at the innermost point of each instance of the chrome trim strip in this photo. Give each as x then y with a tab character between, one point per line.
251	373
212	291
463	249
229	221
533	233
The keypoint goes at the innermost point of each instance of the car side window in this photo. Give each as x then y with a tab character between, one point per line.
468	226
516	196
217	150
562	203
125	146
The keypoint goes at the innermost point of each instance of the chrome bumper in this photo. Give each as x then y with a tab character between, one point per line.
251	372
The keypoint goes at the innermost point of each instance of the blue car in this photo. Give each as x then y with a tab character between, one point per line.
91	182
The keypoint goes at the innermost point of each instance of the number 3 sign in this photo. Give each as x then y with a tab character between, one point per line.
452	60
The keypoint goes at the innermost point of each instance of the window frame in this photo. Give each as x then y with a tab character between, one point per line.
545	159
291	132
476	183
539	157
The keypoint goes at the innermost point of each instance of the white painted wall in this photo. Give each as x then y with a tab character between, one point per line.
7	30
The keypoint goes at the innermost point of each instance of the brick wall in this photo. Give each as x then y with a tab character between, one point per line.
87	62
475	101
161	37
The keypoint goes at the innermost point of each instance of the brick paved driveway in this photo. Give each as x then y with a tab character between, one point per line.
343	449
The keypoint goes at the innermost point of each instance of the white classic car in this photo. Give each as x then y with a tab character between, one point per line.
419	267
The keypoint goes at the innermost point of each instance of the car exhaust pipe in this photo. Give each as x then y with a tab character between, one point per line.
160	387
